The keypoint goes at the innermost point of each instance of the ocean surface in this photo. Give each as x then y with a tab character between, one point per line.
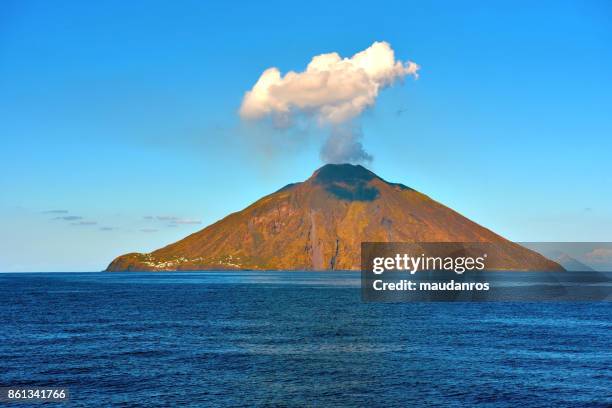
292	339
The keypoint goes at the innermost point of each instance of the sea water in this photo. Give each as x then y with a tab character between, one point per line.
292	339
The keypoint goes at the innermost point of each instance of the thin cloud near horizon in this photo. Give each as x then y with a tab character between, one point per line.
85	223
173	220
69	218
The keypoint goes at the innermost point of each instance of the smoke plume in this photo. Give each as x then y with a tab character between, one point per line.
332	91
344	146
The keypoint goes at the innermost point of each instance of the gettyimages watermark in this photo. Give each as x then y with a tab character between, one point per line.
505	271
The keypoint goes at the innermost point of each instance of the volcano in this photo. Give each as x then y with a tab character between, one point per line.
319	224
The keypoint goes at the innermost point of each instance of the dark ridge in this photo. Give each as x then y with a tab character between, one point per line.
349	174
347	182
346	173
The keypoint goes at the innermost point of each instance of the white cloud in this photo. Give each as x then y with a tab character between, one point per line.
332	88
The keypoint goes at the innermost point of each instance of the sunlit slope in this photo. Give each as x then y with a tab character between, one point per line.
319	224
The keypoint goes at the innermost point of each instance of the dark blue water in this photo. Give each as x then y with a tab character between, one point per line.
292	339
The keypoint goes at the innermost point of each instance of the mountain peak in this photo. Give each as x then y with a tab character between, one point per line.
320	224
347	182
345	173
350	182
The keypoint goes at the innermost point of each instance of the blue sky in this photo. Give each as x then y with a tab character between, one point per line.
118	111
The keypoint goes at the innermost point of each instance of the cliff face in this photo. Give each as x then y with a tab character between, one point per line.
319	224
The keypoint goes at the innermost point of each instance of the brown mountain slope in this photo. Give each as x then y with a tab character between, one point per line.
319	224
